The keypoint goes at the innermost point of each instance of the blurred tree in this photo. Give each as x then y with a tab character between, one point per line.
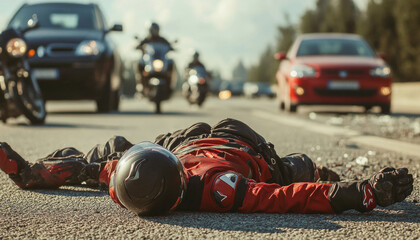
253	73
240	73
308	22
330	16
390	26
267	66
378	26
340	16
407	19
215	81
265	69
312	19
286	35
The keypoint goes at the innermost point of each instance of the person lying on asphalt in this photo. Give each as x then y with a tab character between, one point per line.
225	168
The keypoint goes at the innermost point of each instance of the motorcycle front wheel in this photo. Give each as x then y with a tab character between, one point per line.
28	100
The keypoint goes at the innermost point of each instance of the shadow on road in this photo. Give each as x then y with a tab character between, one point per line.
168	113
260	223
278	223
127	113
402	114
67	125
404	212
75	191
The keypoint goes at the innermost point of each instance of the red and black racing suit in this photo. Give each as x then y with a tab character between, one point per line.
229	168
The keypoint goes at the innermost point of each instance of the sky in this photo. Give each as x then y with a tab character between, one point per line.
223	31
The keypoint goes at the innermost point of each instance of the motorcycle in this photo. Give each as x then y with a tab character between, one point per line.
195	87
157	73
19	91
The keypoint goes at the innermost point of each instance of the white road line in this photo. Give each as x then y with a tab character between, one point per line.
351	135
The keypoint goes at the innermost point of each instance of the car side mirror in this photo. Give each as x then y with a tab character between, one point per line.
31	24
384	56
280	56
116	28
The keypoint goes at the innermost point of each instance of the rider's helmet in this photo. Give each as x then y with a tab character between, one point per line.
196	55
154	29
149	179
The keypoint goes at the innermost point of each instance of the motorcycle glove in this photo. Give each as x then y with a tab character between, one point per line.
384	188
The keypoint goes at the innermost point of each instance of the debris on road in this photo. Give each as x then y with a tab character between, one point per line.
362	160
405	128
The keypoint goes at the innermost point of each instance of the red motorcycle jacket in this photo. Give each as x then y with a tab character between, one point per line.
223	178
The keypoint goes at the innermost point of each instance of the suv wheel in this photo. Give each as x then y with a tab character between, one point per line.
115	102
104	103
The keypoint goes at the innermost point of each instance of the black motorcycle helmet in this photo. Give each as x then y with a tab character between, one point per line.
149	179
196	55
154	29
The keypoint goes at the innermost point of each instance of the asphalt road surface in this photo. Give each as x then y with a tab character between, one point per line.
84	213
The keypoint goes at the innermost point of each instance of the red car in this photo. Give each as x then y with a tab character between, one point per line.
333	69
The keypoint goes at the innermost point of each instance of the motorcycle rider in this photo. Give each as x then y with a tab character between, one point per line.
195	61
227	167
195	67
153	36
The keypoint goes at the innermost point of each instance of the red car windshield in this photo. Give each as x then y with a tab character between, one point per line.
335	47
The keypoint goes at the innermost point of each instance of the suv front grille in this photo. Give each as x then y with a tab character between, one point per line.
61	49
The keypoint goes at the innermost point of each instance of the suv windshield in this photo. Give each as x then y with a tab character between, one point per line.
62	16
333	46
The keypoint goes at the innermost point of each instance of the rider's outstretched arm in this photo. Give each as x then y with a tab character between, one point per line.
229	191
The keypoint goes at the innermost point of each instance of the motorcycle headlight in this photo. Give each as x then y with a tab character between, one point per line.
302	71
157	65
382	71
16	47
89	48
193	80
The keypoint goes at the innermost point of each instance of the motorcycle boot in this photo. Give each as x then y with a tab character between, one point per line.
10	161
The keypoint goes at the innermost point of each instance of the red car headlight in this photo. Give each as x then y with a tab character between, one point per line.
382	71
302	71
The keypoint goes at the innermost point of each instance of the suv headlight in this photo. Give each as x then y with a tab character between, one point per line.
302	71
382	71
16	47
90	48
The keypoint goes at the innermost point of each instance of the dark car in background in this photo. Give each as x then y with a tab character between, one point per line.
258	89
333	69
235	88
71	54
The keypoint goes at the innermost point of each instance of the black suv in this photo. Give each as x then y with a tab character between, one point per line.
71	54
